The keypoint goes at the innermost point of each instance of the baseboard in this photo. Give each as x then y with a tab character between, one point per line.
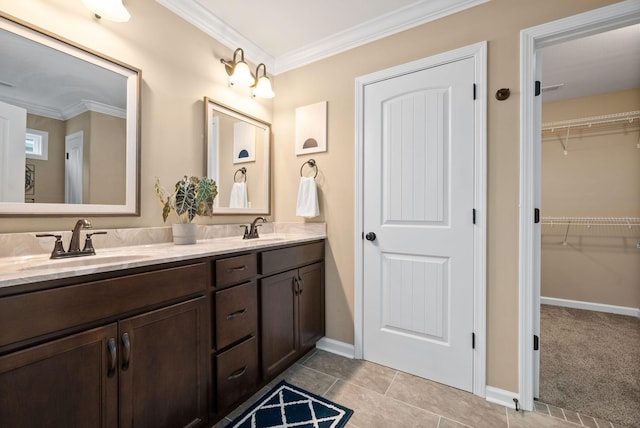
589	306
502	397
336	347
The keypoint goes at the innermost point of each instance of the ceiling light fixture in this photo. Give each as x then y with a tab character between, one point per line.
113	10
240	75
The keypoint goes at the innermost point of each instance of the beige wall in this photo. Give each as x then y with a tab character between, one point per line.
107	159
599	177
499	22
181	65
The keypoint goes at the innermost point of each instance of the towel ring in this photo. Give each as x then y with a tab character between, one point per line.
312	164
242	170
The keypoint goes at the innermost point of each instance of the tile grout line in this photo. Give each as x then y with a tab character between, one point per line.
331	386
506	412
395	375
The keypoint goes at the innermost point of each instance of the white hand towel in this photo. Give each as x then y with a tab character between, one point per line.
307	198
238	195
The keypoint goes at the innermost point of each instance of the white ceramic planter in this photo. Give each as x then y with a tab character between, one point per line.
184	233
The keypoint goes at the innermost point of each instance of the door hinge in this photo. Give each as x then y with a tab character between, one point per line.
67	155
536	215
538	88
536	343
474	216
474	91
473	341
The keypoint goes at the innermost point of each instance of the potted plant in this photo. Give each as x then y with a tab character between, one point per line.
192	196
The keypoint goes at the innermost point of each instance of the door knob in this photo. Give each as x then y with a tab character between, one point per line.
370	236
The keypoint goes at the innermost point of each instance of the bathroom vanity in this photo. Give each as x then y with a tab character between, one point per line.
158	343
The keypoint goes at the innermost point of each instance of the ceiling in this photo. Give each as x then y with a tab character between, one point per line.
598	64
286	34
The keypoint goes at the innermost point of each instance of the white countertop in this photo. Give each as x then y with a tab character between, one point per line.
28	269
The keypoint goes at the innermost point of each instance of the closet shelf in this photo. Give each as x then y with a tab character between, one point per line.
629	222
628	117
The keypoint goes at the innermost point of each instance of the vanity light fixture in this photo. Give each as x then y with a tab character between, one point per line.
240	75
262	87
113	10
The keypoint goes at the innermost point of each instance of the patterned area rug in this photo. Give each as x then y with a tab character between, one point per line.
288	406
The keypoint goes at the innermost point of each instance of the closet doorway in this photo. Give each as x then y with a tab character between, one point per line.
533	40
590	206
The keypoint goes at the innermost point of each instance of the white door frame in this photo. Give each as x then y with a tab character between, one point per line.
585	24
478	52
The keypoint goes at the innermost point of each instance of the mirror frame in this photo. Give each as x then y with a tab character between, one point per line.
266	127
131	207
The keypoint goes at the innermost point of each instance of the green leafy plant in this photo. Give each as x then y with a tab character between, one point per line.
192	196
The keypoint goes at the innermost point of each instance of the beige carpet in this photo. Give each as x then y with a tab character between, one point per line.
590	363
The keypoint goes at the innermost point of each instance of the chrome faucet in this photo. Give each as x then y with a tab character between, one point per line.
74	245
252	232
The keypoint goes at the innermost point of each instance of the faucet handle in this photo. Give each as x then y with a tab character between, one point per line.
58	248
88	244
246	231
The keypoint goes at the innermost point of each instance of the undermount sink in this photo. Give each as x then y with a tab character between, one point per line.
81	262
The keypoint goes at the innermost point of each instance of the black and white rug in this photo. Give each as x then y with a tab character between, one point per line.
286	405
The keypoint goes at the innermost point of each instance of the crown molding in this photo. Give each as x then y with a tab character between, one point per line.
394	22
95	106
200	17
386	25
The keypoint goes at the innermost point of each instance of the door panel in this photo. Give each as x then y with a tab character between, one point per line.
13	128
418	200
63	383
162	375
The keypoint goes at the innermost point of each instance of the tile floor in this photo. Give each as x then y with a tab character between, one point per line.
386	398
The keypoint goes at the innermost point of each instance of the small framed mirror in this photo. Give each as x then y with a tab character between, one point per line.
71	117
237	157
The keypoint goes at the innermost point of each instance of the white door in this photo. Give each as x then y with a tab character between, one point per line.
13	128
73	167
418	201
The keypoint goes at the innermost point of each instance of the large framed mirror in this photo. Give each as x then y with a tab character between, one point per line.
69	127
237	157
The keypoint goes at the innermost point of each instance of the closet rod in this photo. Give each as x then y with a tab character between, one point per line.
629	116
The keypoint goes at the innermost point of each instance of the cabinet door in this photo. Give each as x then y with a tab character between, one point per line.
279	326
70	382
311	305
163	367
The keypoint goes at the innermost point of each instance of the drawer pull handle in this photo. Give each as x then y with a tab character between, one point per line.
237	373
236	314
111	345
127	351
237	269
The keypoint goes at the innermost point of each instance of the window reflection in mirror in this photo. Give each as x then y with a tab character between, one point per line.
73	116
237	158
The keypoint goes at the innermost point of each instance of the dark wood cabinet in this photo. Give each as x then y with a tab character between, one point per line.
69	382
177	345
292	305
141	367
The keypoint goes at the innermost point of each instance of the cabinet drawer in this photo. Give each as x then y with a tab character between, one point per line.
237	372
234	270
287	258
236	313
39	313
